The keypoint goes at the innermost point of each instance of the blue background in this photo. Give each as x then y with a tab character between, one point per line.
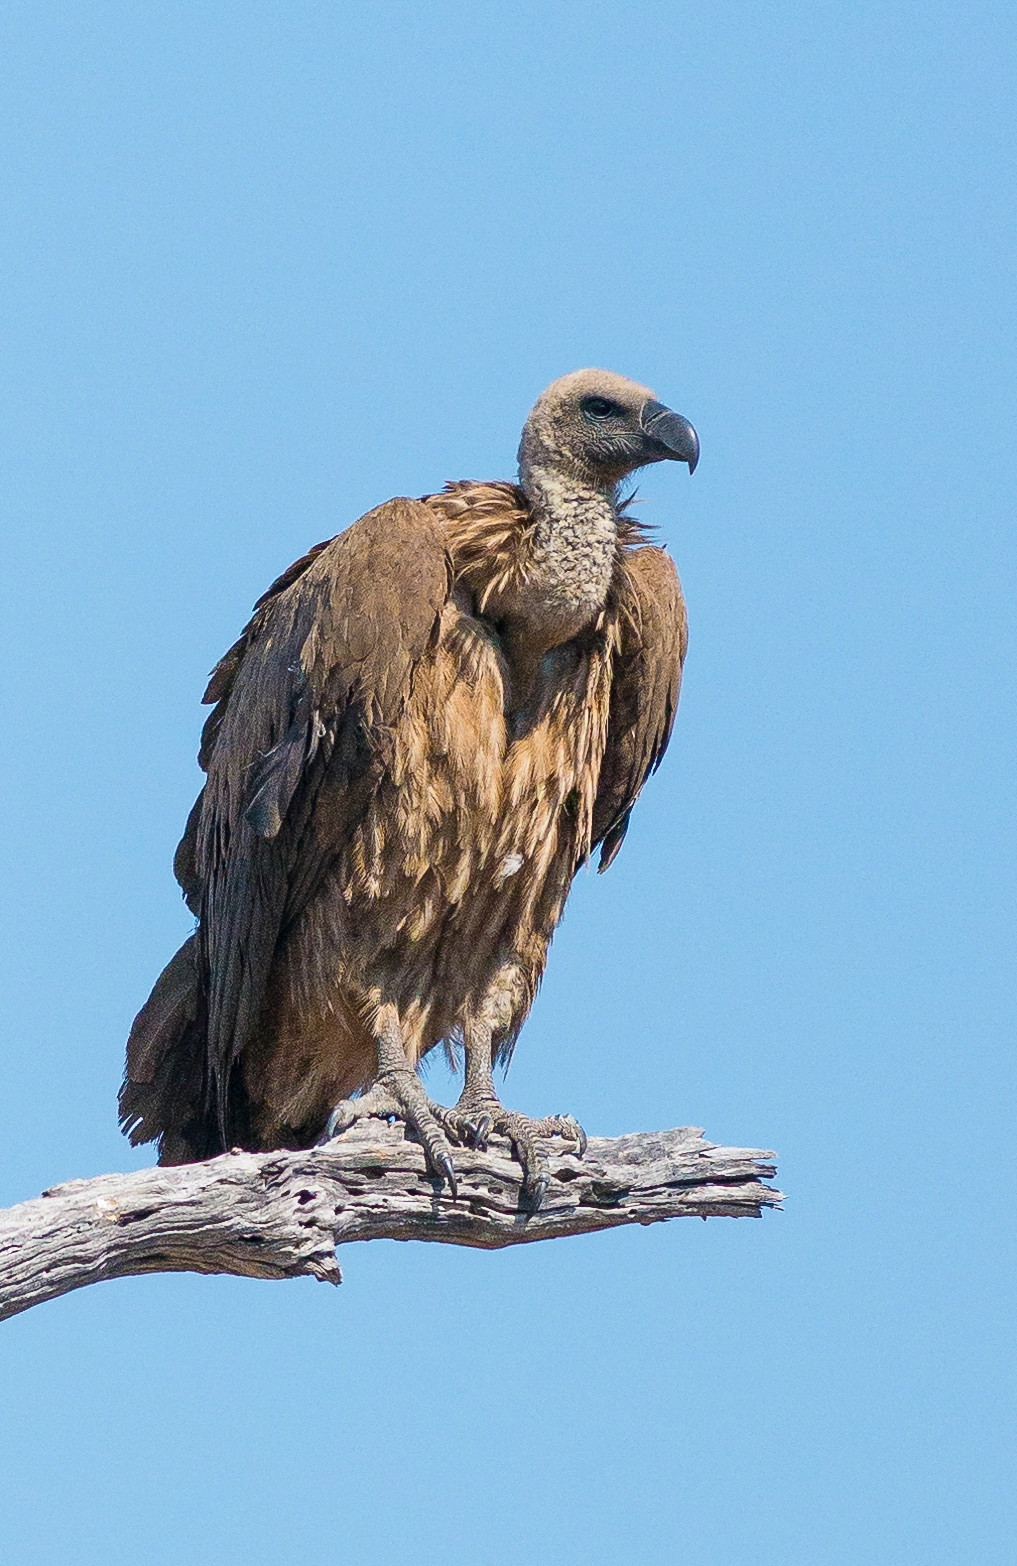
268	264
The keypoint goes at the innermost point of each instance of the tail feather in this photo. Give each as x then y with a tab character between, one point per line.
163	1095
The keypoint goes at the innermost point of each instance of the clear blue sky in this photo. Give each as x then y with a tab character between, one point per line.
268	264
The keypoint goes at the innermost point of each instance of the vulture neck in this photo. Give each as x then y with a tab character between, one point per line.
571	559
572	548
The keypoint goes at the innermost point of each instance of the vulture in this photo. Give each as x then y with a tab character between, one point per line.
427	727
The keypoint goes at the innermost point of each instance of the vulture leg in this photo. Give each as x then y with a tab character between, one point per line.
397	1092
479	1112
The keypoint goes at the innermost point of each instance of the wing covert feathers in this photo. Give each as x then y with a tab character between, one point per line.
644	690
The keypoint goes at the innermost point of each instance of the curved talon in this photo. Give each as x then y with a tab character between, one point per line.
480	1132
338	1121
447	1172
477	1115
397	1095
569	1129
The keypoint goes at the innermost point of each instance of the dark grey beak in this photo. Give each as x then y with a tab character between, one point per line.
670	432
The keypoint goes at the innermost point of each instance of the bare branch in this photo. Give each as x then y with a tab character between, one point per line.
281	1215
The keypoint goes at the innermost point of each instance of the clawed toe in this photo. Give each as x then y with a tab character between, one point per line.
568	1128
401	1097
446	1169
473	1120
376	1103
465	1130
335	1125
469	1124
479	1132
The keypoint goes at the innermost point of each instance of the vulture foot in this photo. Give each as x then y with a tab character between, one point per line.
399	1095
474	1118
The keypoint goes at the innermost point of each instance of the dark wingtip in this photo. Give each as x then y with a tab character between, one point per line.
611	845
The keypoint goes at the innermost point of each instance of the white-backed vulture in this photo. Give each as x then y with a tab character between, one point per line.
427	726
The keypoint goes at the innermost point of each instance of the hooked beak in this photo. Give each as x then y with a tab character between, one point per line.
673	435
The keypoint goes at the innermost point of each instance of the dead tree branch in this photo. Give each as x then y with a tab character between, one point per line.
281	1215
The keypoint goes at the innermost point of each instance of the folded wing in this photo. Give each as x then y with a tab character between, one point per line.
646	681
304	703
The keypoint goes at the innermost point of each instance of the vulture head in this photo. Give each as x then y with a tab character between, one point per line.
596	428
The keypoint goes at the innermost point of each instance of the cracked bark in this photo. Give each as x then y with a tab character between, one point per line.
281	1215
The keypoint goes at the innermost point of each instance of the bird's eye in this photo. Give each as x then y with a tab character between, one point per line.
599	408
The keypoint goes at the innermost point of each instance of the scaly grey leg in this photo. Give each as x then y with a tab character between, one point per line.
479	1112
398	1091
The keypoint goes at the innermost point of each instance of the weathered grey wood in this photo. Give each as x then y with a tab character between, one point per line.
281	1215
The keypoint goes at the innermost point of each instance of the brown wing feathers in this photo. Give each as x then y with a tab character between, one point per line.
644	690
302	701
332	651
